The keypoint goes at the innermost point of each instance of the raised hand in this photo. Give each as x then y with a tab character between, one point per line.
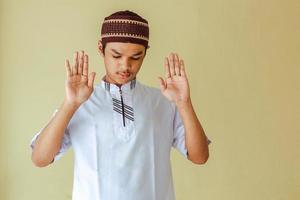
175	86
79	84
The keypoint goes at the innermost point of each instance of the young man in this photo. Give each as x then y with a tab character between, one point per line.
121	130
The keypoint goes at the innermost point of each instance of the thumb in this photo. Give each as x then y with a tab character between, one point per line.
162	84
91	79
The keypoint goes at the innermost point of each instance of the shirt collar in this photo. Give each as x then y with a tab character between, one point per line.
130	85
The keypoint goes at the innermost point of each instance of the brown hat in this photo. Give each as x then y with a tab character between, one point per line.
125	26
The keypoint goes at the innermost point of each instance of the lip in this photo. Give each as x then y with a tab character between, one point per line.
124	75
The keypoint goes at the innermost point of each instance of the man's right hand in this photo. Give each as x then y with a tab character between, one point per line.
79	84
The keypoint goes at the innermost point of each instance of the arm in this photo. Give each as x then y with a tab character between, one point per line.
49	141
195	138
175	88
79	87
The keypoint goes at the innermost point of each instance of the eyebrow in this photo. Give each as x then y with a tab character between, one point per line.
136	54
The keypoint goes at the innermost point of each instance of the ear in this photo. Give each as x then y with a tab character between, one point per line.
100	48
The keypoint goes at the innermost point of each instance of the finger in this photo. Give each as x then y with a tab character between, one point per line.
177	65
171	64
182	68
81	62
75	63
85	65
162	84
91	79
68	68
167	68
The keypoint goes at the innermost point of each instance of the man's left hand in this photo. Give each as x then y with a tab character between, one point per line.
175	86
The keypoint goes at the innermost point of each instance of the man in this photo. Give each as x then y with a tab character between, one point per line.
121	130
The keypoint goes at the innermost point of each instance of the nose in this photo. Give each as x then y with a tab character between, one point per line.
125	65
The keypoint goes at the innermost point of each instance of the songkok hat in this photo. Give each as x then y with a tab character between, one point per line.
125	26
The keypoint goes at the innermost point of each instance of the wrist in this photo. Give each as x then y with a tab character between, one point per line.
184	103
70	106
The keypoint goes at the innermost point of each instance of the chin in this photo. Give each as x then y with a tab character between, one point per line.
124	79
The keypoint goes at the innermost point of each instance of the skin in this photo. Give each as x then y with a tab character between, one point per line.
175	88
120	58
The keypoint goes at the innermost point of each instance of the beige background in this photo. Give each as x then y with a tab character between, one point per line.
242	60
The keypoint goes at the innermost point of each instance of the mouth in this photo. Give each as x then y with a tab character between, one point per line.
124	75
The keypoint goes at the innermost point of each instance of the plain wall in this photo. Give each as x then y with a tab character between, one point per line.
242	60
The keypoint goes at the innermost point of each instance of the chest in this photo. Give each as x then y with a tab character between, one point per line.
100	137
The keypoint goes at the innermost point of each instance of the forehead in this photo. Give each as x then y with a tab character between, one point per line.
125	48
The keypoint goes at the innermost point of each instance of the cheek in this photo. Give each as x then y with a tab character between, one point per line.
137	66
111	65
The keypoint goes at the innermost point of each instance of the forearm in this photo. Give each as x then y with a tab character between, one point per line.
195	138
49	141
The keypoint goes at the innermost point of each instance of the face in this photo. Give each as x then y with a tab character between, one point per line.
122	61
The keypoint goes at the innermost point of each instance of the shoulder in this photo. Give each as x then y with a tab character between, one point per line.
155	96
152	94
149	89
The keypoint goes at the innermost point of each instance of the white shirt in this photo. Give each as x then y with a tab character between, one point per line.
122	143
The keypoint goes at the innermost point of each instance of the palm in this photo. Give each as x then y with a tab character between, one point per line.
79	86
77	89
175	87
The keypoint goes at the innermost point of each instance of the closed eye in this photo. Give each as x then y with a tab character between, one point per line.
136	58
131	58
